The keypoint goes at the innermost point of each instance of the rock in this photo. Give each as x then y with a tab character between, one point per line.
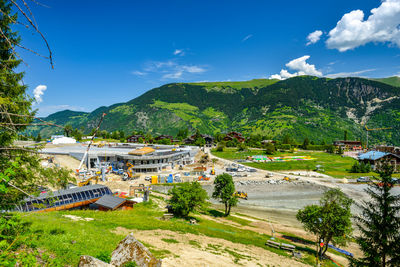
130	250
89	261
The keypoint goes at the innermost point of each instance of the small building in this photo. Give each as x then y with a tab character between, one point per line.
135	138
110	202
234	135
348	145
207	138
377	158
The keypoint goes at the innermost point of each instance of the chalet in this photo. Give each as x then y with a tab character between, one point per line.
234	135
377	158
348	145
135	138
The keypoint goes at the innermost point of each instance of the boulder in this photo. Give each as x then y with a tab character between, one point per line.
89	261
130	250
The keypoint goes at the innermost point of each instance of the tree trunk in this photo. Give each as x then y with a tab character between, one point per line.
226	208
229	209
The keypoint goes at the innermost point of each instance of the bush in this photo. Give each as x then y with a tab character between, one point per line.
284	147
220	147
269	149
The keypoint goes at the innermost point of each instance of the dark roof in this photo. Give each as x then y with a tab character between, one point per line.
68	191
110	202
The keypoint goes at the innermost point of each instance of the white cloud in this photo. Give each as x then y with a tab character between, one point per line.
348	74
170	69
314	37
179	52
38	93
192	69
247	38
300	66
138	73
381	26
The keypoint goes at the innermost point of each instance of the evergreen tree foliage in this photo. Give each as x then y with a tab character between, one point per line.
224	189
18	166
379	223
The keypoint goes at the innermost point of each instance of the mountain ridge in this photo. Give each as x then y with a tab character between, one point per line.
319	108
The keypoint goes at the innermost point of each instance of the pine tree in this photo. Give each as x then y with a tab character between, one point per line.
18	166
379	223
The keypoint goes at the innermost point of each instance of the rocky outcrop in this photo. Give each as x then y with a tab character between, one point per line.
130	250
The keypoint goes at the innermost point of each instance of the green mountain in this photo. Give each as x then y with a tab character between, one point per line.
319	108
393	81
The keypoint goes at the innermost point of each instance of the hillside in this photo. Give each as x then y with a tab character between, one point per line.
393	81
319	108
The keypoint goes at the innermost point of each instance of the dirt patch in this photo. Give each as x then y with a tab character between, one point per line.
199	250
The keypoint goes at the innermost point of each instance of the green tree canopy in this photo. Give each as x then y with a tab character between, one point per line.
224	189
187	197
330	220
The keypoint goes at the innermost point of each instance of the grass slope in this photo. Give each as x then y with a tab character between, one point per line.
69	239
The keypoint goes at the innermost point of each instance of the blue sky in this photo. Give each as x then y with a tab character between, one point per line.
107	52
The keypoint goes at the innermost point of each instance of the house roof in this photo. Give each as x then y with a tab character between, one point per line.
373	155
110	202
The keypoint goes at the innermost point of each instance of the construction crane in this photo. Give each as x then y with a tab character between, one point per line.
90	143
375	129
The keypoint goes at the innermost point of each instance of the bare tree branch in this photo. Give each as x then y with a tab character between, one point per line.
37	30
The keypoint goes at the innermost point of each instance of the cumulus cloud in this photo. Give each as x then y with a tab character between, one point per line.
247	38
381	26
38	93
314	37
300	66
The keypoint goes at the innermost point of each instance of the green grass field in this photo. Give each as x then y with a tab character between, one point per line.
333	164
68	239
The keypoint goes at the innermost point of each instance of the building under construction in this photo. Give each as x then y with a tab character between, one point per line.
150	158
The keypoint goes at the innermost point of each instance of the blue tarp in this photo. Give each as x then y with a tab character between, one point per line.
170	179
372	155
341	250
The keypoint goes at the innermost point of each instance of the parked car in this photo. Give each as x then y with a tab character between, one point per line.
252	170
363	179
147	178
